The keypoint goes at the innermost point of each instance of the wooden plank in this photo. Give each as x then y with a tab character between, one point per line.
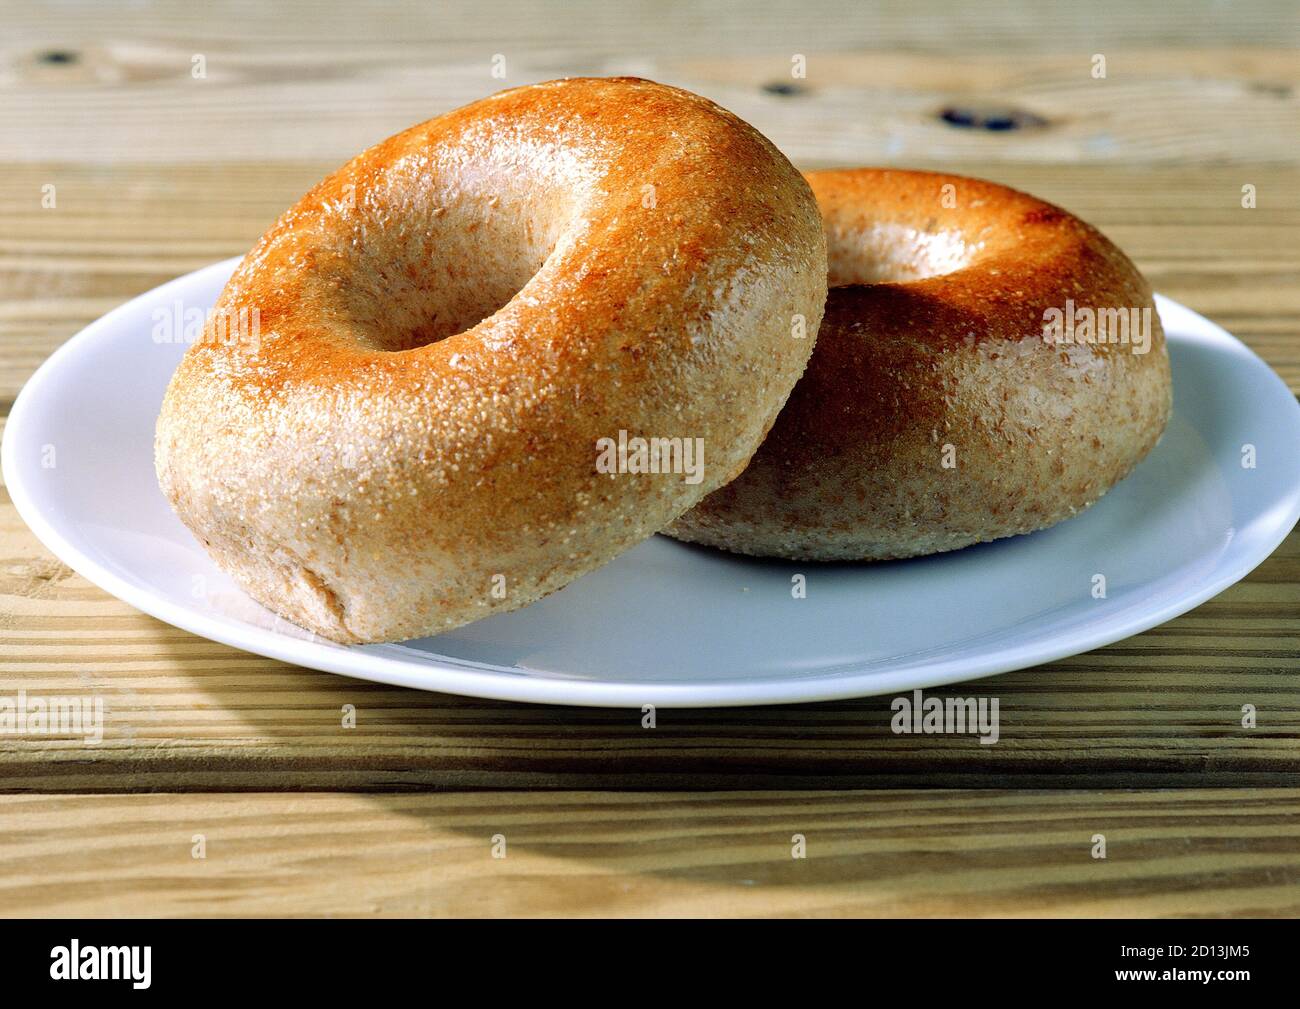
1203	853
117	232
186	714
288	82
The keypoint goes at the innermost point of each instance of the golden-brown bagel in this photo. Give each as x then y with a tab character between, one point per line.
936	412
449	325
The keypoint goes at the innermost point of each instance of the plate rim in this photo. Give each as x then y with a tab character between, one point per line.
369	663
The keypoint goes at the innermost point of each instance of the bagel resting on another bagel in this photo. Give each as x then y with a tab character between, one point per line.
450	327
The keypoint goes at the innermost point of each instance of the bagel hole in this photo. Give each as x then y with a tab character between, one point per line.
463	265
423	305
428	319
894	253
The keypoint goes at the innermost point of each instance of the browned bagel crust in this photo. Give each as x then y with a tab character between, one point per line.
853	468
379	464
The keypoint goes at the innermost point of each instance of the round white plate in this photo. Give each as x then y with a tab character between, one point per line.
670	624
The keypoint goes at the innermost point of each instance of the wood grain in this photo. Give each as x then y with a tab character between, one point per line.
1185	84
1190	852
117	231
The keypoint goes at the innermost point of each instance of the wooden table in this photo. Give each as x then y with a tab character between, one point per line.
158	171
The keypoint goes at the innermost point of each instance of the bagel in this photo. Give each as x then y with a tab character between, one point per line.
454	327
954	396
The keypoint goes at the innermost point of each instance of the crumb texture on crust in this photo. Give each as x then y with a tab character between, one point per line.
934	414
447	326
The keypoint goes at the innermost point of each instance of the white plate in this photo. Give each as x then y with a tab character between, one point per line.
671	624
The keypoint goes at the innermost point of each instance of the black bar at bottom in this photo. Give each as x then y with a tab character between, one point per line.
334	958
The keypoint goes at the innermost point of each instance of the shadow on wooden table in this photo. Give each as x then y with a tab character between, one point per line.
1163	709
